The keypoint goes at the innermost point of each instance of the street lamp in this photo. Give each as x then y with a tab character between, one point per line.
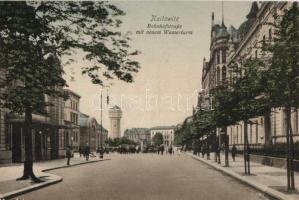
101	133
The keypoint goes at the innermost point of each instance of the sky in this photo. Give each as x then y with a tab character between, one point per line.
165	89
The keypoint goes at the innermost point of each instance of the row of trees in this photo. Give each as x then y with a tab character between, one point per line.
36	36
116	142
257	86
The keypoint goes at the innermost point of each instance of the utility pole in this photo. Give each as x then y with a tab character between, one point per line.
101	133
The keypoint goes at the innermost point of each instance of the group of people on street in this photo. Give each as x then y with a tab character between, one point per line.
85	152
204	149
161	149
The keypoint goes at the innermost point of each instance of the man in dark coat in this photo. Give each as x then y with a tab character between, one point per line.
87	151
234	151
162	149
68	155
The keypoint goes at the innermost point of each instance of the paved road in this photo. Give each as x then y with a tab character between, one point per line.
144	177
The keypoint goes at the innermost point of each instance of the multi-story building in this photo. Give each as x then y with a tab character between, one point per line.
90	132
229	45
167	133
139	135
45	133
71	120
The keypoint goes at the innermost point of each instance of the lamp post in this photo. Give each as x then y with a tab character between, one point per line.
101	133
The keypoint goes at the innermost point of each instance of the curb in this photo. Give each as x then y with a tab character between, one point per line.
15	193
56	179
73	165
262	188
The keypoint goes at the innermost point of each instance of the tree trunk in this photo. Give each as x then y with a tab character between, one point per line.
291	181
28	163
245	151
288	150
267	129
226	148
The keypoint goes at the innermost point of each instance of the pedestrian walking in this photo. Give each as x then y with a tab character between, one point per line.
162	150
170	151
68	155
80	151
202	150
234	151
87	151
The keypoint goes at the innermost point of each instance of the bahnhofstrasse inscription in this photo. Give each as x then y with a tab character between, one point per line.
164	25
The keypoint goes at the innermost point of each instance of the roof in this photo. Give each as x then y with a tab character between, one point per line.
162	127
246	25
115	107
104	130
73	93
83	119
138	131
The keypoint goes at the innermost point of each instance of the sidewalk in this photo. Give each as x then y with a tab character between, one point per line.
269	180
9	187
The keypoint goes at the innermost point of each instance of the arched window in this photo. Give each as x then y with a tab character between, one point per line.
223	73
223	56
218	74
218	57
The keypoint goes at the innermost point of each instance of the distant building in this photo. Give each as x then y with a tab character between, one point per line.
166	131
115	114
90	132
139	135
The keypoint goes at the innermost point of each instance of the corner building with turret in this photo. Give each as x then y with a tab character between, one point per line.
228	46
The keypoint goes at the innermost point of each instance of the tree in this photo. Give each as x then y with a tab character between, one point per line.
223	115
283	75
204	123
239	101
35	36
247	90
158	139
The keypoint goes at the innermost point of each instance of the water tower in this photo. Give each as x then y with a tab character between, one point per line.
115	114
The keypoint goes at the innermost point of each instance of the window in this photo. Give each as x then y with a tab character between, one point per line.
255	53
223	73
218	74
223	56
218	57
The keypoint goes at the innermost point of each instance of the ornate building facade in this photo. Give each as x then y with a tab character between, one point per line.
228	45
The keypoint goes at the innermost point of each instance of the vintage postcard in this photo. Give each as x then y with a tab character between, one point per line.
149	100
